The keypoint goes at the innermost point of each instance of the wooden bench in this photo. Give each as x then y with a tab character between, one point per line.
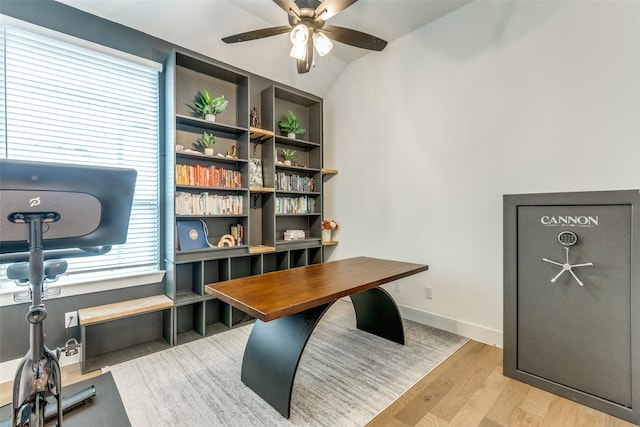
92	316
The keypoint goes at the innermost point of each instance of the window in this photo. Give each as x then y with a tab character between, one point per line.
60	102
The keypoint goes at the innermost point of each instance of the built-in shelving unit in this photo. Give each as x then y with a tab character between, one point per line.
263	186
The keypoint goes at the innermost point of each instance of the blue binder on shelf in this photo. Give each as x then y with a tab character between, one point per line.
192	235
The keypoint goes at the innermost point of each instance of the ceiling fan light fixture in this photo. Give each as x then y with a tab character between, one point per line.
322	43
299	51
299	35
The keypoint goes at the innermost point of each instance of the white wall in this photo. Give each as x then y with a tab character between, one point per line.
495	98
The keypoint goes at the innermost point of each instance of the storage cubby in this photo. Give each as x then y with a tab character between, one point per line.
216	270
314	256
189	322
306	109
149	322
311	223
213	317
194	74
245	266
275	262
232	317
188	281
297	258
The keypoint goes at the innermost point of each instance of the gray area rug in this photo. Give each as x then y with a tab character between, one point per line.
345	377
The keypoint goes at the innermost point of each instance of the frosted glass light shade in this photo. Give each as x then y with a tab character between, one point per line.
322	43
299	35
299	51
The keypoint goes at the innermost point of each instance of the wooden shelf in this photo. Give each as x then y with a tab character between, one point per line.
196	123
261	249
118	310
257	134
262	189
330	243
327	171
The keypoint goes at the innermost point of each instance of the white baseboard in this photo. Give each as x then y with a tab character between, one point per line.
469	330
8	368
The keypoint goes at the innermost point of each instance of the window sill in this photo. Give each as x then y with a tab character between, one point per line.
90	285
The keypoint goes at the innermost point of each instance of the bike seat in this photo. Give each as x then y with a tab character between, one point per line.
52	269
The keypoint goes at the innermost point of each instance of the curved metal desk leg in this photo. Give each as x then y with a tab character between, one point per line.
272	355
378	314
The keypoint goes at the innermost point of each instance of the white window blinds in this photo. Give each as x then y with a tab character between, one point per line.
69	104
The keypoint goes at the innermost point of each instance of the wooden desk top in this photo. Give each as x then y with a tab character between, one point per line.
273	295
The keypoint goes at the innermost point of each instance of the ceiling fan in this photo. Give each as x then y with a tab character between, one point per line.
308	28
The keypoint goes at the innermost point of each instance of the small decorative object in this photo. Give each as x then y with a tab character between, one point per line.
232	152
226	240
179	147
288	155
290	126
208	106
255	173
207	141
255	119
327	227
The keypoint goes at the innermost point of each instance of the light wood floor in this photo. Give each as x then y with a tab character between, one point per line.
467	390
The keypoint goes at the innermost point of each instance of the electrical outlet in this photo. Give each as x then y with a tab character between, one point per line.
428	292
71	319
396	287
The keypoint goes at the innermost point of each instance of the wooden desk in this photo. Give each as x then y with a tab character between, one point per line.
288	305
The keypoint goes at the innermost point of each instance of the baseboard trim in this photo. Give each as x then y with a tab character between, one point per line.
469	330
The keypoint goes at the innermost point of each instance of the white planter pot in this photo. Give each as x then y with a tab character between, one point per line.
210	117
208	151
287	162
291	135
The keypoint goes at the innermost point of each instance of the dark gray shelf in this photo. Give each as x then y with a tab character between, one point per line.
215	158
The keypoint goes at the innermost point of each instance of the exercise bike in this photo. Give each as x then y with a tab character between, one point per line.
38	203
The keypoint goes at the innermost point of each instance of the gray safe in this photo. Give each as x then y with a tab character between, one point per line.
572	294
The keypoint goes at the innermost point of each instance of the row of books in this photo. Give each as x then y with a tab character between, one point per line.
212	176
295	205
289	182
208	204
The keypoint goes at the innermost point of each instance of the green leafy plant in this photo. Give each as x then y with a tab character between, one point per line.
205	104
288	154
207	140
291	124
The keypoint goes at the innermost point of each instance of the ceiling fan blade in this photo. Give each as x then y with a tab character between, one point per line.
257	34
330	8
354	38
288	6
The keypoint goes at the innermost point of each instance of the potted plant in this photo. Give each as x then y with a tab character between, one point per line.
207	141
208	106
328	225
290	126
288	155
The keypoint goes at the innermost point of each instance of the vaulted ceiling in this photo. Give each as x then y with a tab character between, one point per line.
200	25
